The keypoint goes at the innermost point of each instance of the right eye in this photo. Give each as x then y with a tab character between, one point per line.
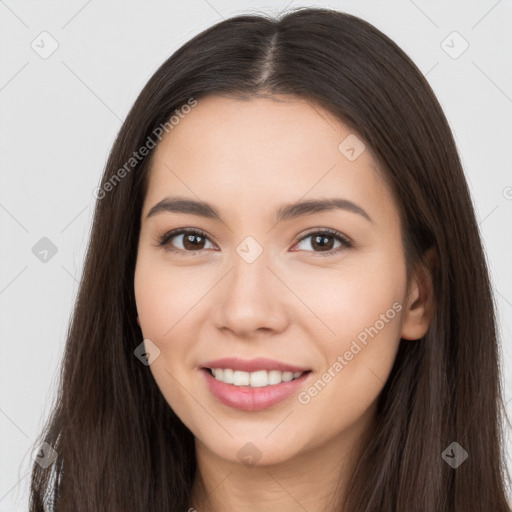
192	240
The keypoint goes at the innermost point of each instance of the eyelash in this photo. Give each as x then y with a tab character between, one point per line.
165	239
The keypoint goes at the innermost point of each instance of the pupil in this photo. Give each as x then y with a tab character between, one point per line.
320	239
188	240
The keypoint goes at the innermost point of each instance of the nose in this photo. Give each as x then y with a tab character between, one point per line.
251	299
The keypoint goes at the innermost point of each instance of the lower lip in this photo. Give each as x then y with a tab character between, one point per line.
248	398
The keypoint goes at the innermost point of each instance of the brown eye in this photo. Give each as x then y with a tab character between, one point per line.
190	240
324	242
193	241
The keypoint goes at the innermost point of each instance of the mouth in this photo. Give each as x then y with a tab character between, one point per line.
253	391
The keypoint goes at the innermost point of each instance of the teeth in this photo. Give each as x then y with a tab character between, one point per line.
241	378
257	379
228	376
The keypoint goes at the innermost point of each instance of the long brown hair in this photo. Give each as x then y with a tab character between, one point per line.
119	445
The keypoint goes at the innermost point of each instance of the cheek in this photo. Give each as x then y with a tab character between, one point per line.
167	304
162	310
164	297
361	313
343	302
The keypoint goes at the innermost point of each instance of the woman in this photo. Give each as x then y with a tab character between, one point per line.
285	303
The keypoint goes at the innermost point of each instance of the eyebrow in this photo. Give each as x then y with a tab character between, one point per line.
285	212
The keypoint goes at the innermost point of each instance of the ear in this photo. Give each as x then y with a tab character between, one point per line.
138	321
419	304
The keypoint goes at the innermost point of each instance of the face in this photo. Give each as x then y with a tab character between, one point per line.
322	290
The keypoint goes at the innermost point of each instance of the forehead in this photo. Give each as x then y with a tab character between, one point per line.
257	153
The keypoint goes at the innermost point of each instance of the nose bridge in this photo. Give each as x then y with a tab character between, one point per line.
250	274
248	300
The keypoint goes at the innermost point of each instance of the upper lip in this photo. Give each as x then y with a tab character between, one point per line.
253	365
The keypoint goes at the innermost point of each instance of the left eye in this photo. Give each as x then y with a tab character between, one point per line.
194	241
320	239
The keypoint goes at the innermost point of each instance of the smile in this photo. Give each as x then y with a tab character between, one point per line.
246	397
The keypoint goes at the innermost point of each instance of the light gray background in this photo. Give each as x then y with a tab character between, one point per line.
59	117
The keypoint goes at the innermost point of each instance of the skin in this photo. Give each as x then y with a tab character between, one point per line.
293	304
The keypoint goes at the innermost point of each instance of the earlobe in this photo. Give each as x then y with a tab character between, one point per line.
420	302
